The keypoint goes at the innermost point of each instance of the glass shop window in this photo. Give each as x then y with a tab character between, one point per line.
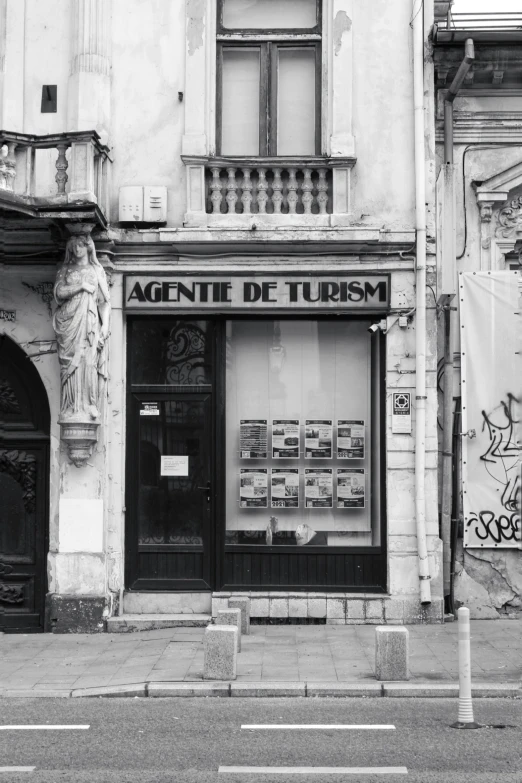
268	90
299	433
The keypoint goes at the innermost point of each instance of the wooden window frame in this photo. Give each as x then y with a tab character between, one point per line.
268	42
268	53
316	30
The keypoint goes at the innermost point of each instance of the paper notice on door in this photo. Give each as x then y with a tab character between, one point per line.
174	466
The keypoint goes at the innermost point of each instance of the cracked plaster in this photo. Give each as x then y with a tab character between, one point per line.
489	582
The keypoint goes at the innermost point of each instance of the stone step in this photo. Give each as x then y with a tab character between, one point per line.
128	623
167	603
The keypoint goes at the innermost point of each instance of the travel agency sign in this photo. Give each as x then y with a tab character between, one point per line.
231	292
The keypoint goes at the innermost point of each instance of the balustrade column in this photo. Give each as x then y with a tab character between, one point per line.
246	196
322	191
215	190
231	197
277	195
262	188
3	168
61	167
292	186
8	169
306	189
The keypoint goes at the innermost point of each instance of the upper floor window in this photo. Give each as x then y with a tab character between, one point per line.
268	75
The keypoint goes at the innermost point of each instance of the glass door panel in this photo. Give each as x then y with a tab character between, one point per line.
173	509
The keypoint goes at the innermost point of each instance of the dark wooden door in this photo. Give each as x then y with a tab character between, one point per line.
24	449
171	492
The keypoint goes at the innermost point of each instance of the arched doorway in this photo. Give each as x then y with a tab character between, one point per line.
24	471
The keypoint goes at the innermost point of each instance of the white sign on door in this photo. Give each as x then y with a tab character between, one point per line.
174	466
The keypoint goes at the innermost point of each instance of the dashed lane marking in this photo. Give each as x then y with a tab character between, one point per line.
17	769
313	770
43	726
318	727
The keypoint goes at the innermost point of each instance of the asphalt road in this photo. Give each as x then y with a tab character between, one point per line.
187	740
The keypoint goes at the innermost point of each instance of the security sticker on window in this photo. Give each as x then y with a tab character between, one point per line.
401	413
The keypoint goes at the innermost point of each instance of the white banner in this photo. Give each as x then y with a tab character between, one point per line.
491	385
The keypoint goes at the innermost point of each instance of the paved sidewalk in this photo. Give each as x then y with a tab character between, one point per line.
291	653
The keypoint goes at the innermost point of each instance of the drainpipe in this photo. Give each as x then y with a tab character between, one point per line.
449	336
420	302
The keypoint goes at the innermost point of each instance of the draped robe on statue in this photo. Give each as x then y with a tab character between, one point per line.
82	350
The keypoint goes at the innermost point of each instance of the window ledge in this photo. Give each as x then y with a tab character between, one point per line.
279	161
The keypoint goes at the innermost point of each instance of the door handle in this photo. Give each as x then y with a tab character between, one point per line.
207	489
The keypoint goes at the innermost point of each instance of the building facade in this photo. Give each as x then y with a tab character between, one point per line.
219	339
479	167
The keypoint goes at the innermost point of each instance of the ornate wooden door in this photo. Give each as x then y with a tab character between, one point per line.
24	447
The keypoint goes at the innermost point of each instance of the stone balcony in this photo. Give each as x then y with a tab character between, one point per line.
62	175
267	192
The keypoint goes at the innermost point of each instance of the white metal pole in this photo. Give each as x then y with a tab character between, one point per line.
465	717
420	302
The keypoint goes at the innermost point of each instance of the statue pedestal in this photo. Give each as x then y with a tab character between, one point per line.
80	437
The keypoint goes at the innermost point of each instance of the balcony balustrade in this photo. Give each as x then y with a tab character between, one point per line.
81	177
232	191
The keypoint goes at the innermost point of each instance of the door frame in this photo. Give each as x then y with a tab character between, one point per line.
132	580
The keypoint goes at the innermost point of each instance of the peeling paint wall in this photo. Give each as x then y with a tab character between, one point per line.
489	582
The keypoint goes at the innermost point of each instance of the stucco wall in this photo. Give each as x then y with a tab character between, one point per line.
488	581
72	569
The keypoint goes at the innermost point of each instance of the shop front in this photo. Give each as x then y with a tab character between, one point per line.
255	445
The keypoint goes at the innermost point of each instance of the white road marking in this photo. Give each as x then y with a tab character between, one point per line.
313	770
43	726
17	769
319	726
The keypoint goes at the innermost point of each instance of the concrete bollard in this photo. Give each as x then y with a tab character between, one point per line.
220	652
243	604
392	653
231	617
465	719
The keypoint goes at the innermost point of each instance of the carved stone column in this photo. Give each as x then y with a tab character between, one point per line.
89	98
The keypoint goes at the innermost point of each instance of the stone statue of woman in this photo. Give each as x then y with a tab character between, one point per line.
81	323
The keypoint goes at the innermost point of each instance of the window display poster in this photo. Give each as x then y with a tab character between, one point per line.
350	439
350	488
318	438
285	488
253	438
253	490
318	488
285	438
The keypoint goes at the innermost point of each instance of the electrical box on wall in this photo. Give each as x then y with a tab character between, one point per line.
143	204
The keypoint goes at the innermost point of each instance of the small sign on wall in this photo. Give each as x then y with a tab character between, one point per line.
401	413
149	409
174	466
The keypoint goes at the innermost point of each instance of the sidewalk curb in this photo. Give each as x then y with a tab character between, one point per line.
395	690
